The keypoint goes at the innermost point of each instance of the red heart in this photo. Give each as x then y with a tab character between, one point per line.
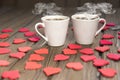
18	40
36	57
106	42
61	57
87	51
110	24
118	37
74	65
107	36
4	63
23	29
4	50
34	39
87	58
108	72
118	50
100	62
24	49
119	33
4	44
106	28
12	74
41	51
7	30
102	48
18	55
74	46
32	66
51	71
4	35
113	56
29	33
69	51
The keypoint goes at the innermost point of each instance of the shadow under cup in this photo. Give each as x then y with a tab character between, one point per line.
55	29
85	27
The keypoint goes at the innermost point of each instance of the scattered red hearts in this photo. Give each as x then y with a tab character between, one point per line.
69	51
41	51
17	55
7	30
87	51
4	35
24	49
23	29
106	28
110	24
34	39
107	36
102	48
113	56
87	58
74	65
4	63
51	71
12	74
100	62
32	66
4	44
36	57
108	72
29	33
18	40
61	57
74	46
4	50
106	42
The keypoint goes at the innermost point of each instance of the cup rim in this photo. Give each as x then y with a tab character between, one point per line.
83	14
65	18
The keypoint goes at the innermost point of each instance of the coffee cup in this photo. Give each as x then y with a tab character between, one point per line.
85	27
55	29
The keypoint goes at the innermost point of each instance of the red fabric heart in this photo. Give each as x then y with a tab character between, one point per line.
110	24
4	44
32	66
100	62
106	42
17	55
106	28
119	33
118	50
118	37
51	71
23	29
69	51
87	58
113	56
107	36
102	48
34	39
61	57
4	50
4	63
41	51
4	35
74	65
7	30
12	74
29	33
108	72
36	57
24	49
87	51
18	40
74	46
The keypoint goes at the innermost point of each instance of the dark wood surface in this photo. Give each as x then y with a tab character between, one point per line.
16	19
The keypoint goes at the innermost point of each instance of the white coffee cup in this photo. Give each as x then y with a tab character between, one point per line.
85	27
55	28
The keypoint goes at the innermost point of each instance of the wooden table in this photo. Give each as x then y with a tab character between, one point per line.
16	19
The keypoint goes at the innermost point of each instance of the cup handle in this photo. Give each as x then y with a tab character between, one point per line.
36	29
98	31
